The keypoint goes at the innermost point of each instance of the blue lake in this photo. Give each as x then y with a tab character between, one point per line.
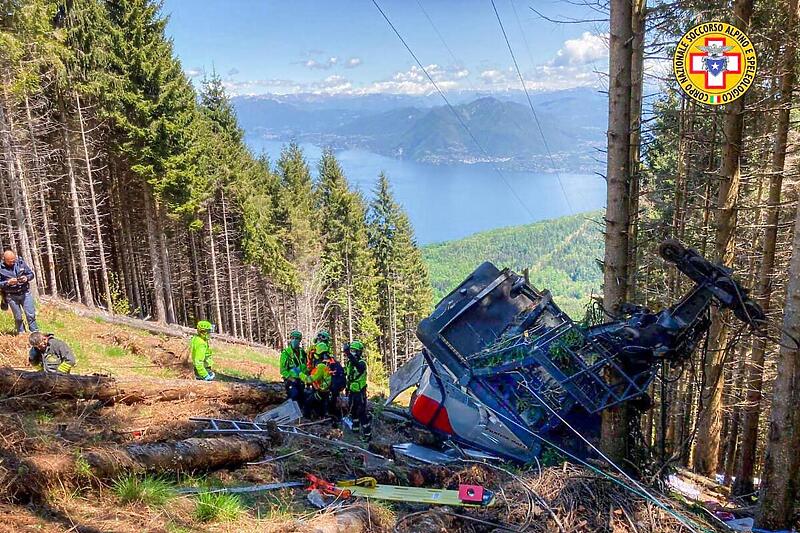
446	202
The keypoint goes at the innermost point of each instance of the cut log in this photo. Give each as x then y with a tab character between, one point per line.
706	483
135	390
156	328
31	474
357	518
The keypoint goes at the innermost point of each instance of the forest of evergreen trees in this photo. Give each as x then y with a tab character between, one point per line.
722	179
126	189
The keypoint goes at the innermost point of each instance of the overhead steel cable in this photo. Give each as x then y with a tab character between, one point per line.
631	485
439	34
458	63
533	111
453	110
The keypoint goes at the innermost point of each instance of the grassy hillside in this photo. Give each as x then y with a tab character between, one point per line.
560	253
122	351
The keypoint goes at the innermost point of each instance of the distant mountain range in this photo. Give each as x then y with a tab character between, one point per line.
505	131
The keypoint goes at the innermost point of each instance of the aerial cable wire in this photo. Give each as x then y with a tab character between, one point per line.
533	111
633	486
457	62
452	109
439	34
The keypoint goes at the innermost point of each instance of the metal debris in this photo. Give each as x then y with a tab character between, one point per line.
240	490
405	377
286	413
430	456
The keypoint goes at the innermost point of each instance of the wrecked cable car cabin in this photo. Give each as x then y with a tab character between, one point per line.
503	370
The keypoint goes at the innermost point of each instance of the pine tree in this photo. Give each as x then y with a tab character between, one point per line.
414	299
402	279
298	223
347	262
152	107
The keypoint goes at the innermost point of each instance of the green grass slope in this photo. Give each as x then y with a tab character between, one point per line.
112	349
561	255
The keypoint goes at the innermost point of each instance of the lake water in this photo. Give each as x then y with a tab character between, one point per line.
446	202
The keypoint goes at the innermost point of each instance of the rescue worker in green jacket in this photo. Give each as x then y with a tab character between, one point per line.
49	354
355	370
327	382
294	369
202	362
322	336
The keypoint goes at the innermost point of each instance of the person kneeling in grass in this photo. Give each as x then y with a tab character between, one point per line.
49	354
202	362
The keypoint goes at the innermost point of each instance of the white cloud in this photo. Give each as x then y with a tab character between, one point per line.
233	72
332	85
493	77
313	64
586	49
551	78
414	81
353	62
194	72
253	87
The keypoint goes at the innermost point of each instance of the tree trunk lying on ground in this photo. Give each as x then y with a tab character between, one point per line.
34	472
356	518
156	328
705	482
134	390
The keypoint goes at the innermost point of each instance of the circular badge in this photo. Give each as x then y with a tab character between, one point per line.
715	63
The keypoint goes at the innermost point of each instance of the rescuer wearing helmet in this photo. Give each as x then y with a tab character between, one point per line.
327	382
311	358
201	352
294	369
355	370
49	354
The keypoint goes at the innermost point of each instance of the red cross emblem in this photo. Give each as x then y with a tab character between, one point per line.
699	61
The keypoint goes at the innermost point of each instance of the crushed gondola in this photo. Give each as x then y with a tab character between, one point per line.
505	371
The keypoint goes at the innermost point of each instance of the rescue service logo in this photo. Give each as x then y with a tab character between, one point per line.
715	63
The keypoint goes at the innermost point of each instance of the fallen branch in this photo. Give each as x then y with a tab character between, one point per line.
156	328
135	390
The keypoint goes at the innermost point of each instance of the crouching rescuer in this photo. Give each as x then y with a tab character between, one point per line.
355	370
49	354
202	362
294	369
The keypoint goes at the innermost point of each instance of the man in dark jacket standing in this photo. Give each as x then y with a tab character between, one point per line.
15	282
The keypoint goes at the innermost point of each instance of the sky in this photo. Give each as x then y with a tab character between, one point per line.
346	47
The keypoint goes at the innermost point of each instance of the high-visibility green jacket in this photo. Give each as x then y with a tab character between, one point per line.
356	375
293	363
201	356
321	377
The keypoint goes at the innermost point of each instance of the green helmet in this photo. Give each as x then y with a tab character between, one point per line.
321	348
204	325
323	336
357	346
296	335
